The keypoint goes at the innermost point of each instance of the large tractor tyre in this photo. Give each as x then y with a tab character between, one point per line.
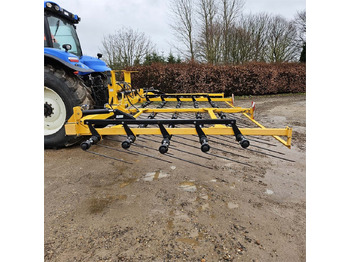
62	92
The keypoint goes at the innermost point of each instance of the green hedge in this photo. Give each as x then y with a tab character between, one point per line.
247	79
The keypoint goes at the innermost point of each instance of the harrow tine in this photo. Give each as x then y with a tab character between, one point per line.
230	159
219	149
190	153
261	142
142	146
110	157
263	153
177	149
171	155
147	147
134	153
188	161
270	150
259	152
262	148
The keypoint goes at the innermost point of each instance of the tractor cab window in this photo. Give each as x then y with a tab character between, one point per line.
62	32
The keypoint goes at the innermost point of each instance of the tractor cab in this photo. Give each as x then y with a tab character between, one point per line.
60	31
71	78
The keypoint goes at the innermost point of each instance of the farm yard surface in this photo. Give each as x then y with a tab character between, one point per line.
231	204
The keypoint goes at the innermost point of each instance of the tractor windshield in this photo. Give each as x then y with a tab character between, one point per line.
63	32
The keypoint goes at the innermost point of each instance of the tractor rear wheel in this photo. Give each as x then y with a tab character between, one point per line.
62	91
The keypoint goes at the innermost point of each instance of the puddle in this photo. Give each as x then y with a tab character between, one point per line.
188	186
153	176
268	192
232	205
97	205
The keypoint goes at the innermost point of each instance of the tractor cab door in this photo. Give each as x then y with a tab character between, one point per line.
59	31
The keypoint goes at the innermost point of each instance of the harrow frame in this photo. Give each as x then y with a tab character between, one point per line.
120	116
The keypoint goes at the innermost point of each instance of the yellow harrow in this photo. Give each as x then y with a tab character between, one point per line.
130	113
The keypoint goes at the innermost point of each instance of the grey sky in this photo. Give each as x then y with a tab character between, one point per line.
102	17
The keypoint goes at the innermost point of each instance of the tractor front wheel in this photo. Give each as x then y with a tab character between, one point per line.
62	92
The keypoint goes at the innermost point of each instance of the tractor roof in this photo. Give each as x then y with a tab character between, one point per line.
56	9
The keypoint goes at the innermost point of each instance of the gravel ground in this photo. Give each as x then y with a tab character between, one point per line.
229	205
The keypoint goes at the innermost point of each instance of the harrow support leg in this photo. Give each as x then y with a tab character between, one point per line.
203	140
130	137
92	140
166	140
239	137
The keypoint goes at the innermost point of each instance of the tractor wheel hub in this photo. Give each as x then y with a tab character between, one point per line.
48	109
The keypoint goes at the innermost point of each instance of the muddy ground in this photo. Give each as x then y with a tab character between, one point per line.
230	205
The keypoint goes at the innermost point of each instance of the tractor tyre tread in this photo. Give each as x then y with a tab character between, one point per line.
75	93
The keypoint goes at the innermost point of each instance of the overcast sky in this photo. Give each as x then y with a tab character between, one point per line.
102	17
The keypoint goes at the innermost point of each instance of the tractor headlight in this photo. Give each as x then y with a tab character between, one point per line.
57	8
49	5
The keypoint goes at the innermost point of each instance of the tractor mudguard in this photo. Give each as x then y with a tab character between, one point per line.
67	59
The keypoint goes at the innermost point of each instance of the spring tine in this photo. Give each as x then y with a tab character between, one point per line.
262	148
110	157
270	150
190	153
134	153
170	155
219	149
188	161
259	152
263	153
258	141
175	148
230	159
150	148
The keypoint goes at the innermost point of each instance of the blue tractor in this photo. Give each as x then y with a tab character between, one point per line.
70	78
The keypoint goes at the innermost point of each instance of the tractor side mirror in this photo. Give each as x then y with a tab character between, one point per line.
99	55
67	47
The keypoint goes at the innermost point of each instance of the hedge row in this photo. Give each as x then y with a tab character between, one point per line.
248	79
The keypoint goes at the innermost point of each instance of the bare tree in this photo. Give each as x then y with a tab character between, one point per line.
183	25
248	39
281	41
210	31
230	10
300	23
125	47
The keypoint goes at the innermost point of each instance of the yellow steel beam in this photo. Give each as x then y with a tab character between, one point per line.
188	99
287	143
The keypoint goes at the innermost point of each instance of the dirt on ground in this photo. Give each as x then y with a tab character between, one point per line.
232	204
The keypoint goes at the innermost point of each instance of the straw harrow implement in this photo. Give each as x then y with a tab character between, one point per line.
141	114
